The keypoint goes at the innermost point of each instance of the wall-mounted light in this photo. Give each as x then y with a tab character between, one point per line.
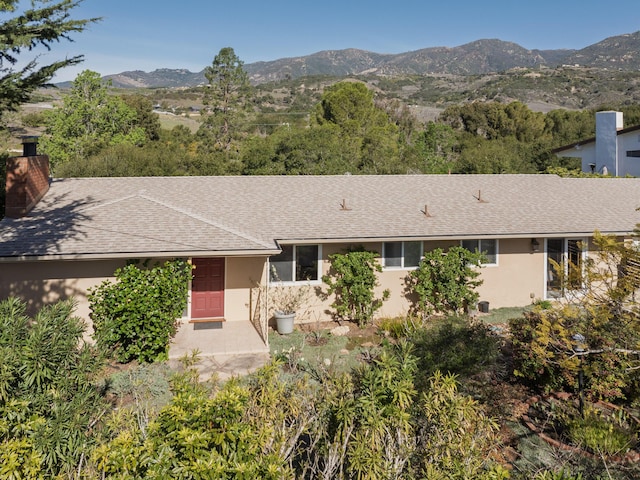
535	245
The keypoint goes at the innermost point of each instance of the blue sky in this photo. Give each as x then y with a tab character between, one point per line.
150	34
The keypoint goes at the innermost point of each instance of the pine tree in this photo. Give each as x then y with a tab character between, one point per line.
39	26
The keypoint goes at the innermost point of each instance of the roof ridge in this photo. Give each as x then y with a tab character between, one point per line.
110	202
208	221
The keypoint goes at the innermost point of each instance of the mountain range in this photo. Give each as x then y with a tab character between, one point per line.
480	57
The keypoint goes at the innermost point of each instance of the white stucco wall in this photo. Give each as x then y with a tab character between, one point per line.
629	142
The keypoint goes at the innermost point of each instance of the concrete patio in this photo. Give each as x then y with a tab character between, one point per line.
226	349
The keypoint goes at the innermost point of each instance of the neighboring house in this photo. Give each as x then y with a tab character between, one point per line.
237	229
614	150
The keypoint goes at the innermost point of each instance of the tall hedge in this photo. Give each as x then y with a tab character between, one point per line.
135	317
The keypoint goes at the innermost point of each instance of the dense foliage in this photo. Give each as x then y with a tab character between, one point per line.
445	282
88	121
352	280
49	403
135	316
196	436
547	352
322	126
42	25
369	424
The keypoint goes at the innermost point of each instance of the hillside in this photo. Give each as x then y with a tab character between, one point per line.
481	57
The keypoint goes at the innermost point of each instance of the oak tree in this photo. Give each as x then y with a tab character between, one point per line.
88	120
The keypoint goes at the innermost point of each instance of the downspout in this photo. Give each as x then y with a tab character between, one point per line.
266	301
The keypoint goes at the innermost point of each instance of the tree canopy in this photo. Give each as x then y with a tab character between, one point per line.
89	120
226	96
39	26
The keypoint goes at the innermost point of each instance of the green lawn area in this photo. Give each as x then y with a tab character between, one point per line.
169	121
503	315
319	349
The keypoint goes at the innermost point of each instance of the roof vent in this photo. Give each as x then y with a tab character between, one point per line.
479	197
343	205
425	212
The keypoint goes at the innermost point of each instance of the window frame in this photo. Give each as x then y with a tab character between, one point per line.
563	290
294	269
479	246
402	265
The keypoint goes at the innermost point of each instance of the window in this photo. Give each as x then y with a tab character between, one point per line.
568	255
489	247
401	254
296	263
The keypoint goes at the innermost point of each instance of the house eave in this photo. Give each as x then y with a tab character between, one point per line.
127	255
410	238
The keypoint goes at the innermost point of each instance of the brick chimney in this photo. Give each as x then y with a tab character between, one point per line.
27	179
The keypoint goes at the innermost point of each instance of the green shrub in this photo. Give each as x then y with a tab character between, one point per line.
445	282
353	279
604	311
543	304
599	433
458	436
202	434
399	327
135	317
49	405
34	119
455	345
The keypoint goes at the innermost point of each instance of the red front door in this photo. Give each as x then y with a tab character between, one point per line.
207	288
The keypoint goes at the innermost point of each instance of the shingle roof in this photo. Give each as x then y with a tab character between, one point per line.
240	215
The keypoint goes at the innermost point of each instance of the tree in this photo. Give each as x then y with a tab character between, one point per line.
350	105
89	120
364	126
445	282
226	96
502	155
353	279
147	118
434	149
603	309
34	27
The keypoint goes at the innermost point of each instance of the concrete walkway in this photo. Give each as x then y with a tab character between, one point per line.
226	349
224	367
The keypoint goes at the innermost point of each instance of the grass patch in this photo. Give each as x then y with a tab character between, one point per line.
503	314
315	349
169	121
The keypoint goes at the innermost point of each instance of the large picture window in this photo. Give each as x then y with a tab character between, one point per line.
296	263
487	246
401	254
